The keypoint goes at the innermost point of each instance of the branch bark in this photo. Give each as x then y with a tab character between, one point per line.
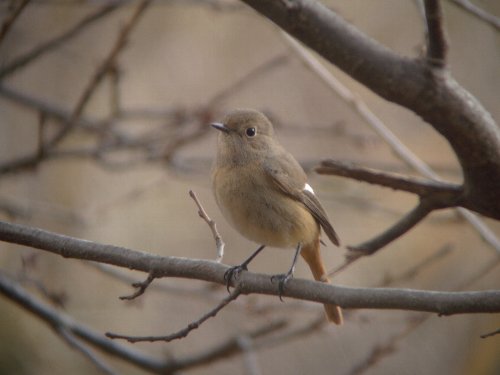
431	93
443	303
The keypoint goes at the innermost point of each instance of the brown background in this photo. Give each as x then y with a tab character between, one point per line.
180	56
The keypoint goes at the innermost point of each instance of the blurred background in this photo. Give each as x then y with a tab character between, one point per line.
141	141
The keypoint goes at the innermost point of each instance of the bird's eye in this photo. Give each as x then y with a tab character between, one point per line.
250	132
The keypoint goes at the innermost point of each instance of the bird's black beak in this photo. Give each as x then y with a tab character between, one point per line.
219	126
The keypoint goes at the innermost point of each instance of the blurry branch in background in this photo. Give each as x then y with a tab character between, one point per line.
38	51
443	195
179	127
389	345
78	333
9	20
99	74
478	12
491	334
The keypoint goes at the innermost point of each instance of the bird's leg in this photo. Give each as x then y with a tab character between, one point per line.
284	277
235	270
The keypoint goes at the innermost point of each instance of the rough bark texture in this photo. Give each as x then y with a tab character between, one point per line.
417	84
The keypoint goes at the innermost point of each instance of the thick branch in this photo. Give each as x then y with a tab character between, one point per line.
432	94
405	299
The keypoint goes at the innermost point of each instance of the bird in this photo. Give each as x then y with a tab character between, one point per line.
262	191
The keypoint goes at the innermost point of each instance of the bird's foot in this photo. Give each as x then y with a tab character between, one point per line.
233	272
282	279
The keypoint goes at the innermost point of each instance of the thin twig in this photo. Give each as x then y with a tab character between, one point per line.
376	124
225	349
11	18
219	243
141	287
390	345
437	45
478	12
108	63
490	334
60	320
250	362
185	331
86	351
407	222
249	77
36	52
415	269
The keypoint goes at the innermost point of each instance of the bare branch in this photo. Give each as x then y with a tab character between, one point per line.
11	18
62	322
490	334
141	287
32	55
185	331
414	270
395	181
388	347
219	243
437	45
375	123
86	351
432	94
478	12
443	303
59	320
407	222
100	73
225	349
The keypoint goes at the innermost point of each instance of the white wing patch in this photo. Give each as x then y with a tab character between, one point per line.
308	188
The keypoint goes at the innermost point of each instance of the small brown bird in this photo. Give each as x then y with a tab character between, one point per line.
263	193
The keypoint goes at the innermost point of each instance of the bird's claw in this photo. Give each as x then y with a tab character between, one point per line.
233	272
282	279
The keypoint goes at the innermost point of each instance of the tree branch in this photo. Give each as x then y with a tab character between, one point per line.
432	94
478	12
99	74
407	222
377	125
395	181
186	330
437	46
11	18
219	242
443	303
38	51
58	320
61	321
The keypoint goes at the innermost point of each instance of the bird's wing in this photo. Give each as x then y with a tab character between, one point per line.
286	174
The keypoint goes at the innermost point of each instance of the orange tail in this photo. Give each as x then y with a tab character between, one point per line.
311	254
